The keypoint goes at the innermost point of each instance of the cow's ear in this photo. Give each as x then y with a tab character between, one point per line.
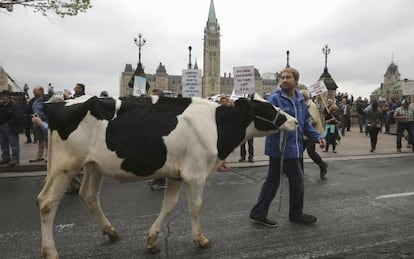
242	104
251	97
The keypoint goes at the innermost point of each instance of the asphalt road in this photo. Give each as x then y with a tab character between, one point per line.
365	210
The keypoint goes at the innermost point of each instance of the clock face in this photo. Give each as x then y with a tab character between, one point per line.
212	28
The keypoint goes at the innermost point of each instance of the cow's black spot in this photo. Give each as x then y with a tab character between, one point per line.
66	119
136	133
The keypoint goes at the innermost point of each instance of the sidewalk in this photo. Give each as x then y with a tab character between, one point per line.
354	145
27	152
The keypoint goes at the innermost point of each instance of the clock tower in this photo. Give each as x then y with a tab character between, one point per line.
211	67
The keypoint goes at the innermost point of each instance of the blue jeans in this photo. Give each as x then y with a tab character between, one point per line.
9	140
401	126
294	173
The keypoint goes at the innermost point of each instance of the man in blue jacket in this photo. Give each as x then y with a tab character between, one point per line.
290	100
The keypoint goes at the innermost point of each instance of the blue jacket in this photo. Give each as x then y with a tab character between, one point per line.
298	109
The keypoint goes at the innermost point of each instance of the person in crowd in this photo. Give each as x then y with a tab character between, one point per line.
250	151
50	90
26	91
329	103
362	117
374	118
36	107
11	124
331	129
79	90
159	183
27	122
290	100
308	144
224	100
344	113
404	116
384	106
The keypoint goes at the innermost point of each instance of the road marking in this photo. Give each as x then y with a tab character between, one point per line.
395	195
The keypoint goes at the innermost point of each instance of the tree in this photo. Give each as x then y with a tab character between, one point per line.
60	7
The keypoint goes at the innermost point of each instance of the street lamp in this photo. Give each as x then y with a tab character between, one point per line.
189	57
326	52
140	42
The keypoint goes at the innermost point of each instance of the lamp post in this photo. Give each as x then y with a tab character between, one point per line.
140	42
326	52
287	58
189	57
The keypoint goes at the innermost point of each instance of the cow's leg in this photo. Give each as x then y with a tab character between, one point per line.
194	190
169	202
89	191
48	201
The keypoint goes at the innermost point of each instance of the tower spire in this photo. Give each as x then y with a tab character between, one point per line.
212	14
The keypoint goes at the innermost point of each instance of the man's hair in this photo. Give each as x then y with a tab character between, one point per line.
40	88
292	71
157	92
224	97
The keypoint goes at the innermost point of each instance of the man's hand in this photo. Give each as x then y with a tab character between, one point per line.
322	142
36	120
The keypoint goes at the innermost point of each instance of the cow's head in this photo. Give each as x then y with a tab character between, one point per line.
268	119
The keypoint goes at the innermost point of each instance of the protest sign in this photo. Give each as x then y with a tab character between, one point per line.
408	88
317	88
192	83
139	86
244	80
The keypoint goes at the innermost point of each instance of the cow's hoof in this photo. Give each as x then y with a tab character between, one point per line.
207	245
113	236
49	253
153	249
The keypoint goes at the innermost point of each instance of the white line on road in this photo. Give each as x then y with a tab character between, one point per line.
395	195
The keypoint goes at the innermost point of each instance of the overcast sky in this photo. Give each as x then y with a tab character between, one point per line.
93	47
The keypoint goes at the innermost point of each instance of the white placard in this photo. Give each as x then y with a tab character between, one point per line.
244	80
408	88
317	88
192	83
140	84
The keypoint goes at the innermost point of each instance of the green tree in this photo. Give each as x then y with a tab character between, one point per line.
60	7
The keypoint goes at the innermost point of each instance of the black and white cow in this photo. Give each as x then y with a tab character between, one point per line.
134	139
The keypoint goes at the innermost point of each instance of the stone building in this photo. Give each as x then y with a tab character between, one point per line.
391	88
212	83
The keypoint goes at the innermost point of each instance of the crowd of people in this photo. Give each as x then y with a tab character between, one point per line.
28	115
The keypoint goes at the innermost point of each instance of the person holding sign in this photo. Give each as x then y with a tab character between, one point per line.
285	149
